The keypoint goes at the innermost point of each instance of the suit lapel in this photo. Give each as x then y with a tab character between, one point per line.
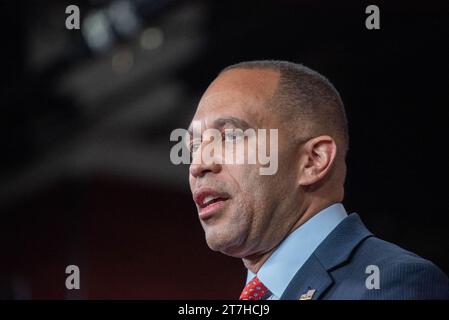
314	277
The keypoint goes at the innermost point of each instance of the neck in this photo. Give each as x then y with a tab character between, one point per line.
256	261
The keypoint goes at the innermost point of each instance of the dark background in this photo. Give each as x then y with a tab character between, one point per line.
85	173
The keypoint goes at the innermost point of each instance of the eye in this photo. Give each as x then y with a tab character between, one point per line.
194	145
233	135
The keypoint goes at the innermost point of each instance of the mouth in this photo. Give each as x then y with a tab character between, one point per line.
209	202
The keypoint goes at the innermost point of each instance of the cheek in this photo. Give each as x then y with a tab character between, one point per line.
257	189
243	184
244	177
267	192
255	192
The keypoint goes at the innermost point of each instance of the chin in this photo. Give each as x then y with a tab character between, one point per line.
226	246
214	243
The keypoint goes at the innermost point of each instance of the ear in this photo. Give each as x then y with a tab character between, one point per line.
316	160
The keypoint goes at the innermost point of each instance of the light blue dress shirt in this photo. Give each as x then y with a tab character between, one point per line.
280	268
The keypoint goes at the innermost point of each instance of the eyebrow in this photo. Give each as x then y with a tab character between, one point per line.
222	122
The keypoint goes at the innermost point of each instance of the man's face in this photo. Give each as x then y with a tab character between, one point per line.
243	212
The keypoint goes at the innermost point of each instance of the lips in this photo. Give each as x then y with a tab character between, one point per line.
209	201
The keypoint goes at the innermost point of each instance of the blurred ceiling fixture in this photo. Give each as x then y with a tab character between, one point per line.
124	18
151	38
103	27
97	31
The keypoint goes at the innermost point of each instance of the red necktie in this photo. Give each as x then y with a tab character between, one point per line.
254	290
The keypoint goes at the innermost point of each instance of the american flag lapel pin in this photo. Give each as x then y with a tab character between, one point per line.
308	295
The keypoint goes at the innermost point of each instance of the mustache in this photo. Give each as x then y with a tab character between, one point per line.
218	185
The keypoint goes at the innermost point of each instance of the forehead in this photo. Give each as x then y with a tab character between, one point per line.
238	93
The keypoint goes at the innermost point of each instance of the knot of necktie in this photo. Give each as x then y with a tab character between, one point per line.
254	290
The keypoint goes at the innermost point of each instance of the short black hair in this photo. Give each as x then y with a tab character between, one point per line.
307	96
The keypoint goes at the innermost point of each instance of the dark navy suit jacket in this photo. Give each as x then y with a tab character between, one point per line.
338	269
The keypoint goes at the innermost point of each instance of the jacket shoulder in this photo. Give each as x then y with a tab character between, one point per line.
402	274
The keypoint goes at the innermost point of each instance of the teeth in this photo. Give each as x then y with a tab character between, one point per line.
209	199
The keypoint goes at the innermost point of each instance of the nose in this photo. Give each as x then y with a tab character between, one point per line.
200	167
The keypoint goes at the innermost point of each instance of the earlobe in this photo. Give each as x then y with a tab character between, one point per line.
317	158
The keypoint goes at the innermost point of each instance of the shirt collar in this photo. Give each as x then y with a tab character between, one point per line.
280	268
